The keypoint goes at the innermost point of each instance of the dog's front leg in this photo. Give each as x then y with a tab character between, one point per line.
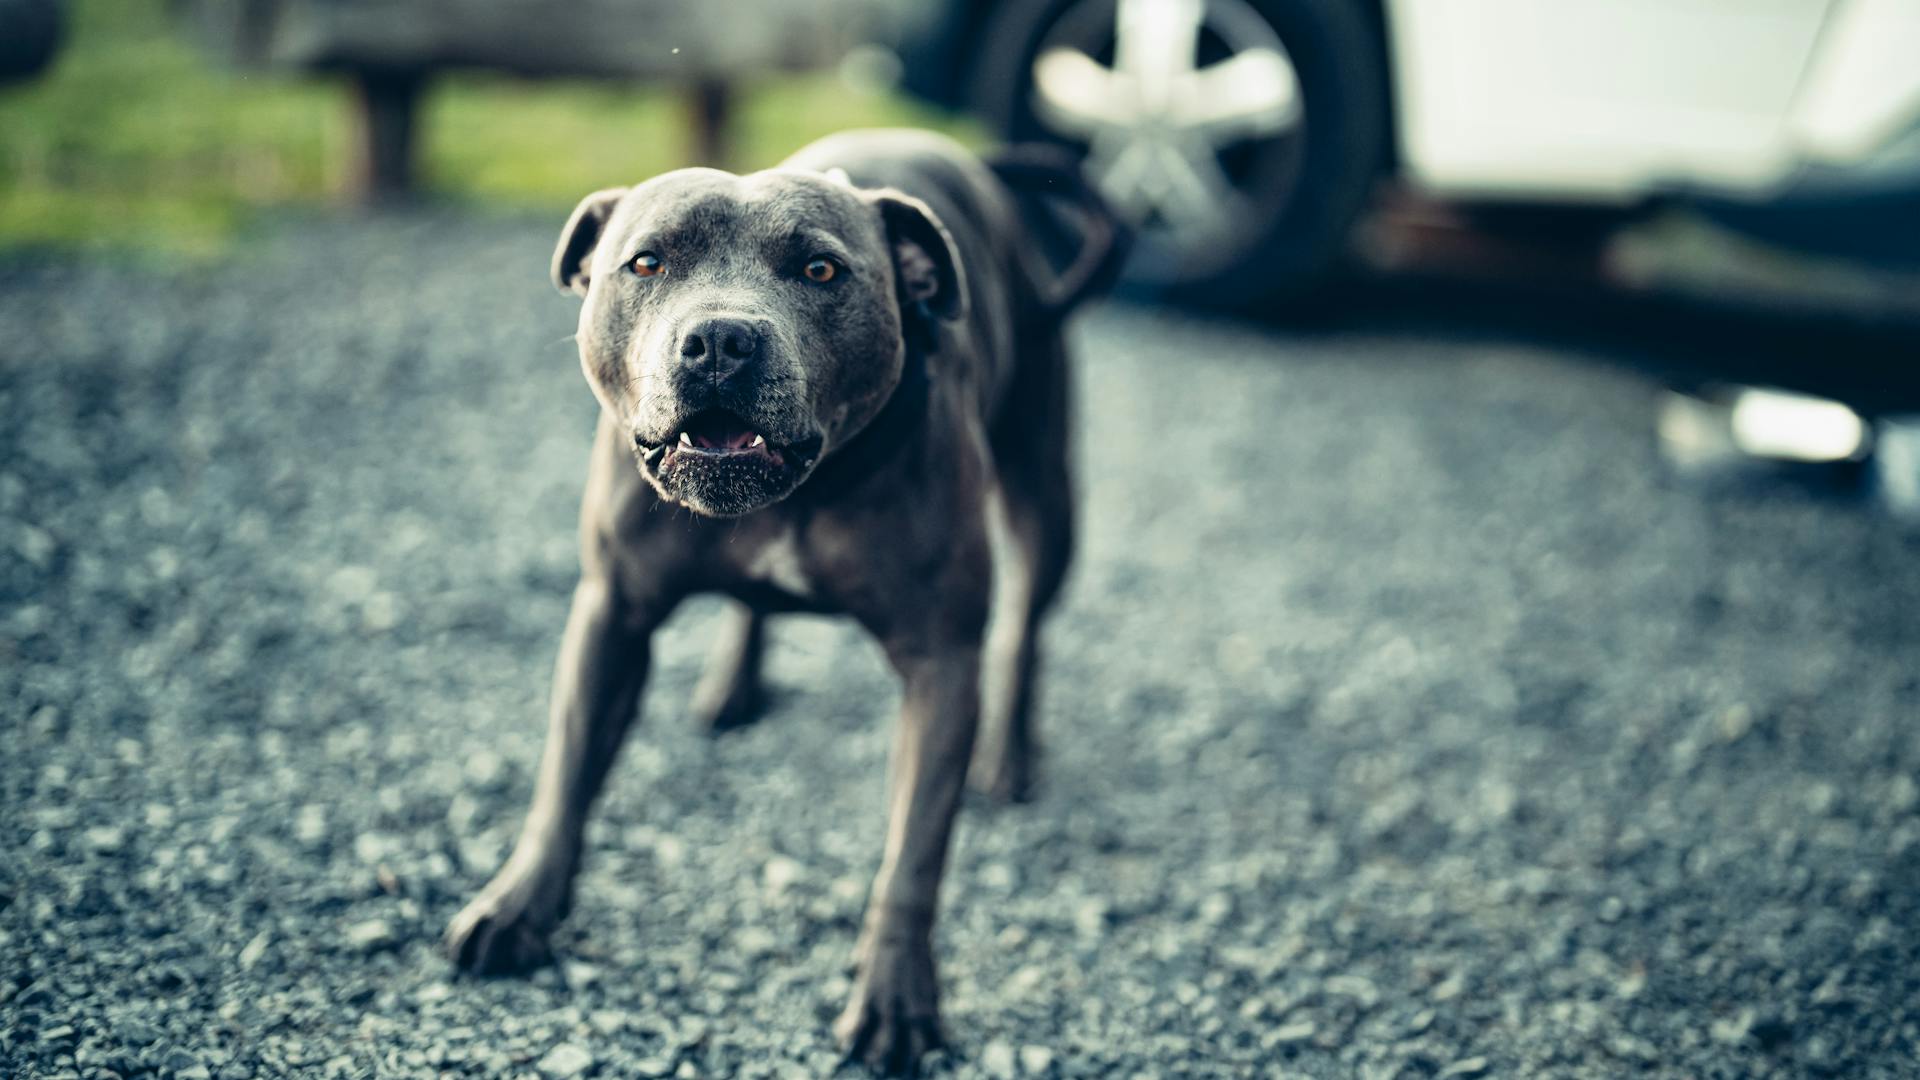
893	1016
596	685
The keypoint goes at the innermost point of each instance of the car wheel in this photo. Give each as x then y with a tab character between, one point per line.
30	34
1241	138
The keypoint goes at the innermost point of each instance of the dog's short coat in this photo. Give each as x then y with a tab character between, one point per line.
838	385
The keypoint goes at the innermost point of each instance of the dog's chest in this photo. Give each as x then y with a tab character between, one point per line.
776	562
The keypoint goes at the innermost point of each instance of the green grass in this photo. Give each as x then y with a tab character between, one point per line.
138	140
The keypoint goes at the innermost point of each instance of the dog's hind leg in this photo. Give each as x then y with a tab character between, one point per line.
730	693
1034	499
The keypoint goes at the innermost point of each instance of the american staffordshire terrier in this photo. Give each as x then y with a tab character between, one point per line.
836	385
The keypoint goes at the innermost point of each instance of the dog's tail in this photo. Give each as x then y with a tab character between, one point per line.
1045	180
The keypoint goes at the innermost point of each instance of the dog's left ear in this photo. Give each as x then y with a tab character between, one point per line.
924	257
579	237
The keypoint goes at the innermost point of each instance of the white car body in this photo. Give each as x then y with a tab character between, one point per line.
1611	100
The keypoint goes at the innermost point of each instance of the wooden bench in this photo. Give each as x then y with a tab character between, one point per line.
390	49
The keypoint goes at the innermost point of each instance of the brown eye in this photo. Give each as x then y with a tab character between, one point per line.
821	270
647	264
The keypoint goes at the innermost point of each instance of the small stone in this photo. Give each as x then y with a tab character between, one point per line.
1466	1067
37	546
999	1060
255	950
374	935
381	612
137	1033
374	848
1092	916
1633	1048
567	1059
1027	980
1902	794
486	769
310	824
1216	909
1035	1060
782	873
607	1021
661	1064
1357	987
1817	1054
1735	1028
1289	1034
1631	982
106	839
1821	798
352	584
1735	722
755	941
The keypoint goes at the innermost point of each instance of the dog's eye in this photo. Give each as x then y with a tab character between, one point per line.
821	269
647	264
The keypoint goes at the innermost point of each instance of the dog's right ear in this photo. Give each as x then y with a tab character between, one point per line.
580	237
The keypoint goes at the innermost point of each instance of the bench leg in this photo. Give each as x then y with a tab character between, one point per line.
386	104
710	107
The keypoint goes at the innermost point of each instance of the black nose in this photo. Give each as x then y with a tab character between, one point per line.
723	346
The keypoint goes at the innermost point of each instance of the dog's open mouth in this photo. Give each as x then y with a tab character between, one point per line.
721	434
717	463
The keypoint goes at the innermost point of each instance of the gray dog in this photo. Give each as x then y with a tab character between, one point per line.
838	385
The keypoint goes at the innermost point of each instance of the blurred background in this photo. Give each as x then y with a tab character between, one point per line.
1291	161
1491	648
170	127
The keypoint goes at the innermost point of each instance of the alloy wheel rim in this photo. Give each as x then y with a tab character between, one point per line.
1173	92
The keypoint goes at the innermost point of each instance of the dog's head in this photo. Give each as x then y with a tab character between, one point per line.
740	328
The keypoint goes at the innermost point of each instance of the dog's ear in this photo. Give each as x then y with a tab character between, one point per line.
580	236
924	257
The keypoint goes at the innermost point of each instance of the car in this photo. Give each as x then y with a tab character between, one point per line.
1245	138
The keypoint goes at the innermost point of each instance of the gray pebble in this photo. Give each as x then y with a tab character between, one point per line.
566	1059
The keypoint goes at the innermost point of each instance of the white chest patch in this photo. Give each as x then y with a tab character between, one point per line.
778	564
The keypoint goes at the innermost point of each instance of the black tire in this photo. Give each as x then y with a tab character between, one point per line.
1305	189
30	36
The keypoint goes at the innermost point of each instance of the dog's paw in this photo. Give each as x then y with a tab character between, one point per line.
504	930
893	1018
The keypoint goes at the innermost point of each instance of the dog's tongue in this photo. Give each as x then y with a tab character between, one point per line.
720	432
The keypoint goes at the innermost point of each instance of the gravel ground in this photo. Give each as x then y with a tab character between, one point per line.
1403	720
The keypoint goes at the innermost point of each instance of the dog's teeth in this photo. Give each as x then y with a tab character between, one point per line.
685	439
757	441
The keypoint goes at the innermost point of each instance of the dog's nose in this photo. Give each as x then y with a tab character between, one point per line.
723	346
